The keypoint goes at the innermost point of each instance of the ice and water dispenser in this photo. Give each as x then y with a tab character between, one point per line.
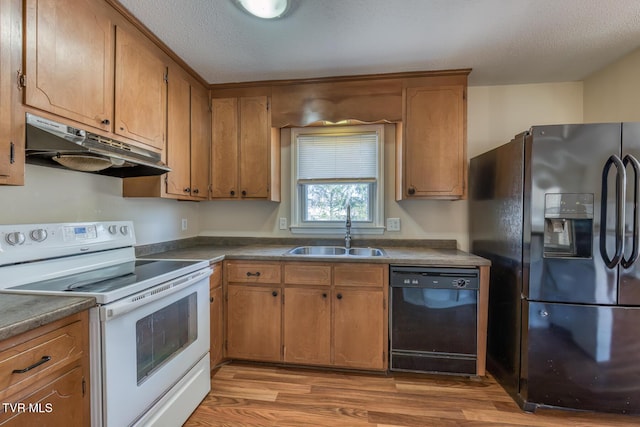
568	225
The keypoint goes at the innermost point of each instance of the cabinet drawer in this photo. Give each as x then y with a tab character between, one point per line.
253	272
307	274
359	274
216	277
29	361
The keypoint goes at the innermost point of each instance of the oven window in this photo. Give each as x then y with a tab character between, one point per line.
165	333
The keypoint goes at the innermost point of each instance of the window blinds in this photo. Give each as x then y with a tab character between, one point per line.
337	157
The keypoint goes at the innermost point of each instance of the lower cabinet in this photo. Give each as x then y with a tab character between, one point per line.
44	375
216	316
308	313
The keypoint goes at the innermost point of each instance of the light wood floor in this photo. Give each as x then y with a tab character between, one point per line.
255	395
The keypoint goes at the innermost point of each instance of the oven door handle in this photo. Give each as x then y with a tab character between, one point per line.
132	302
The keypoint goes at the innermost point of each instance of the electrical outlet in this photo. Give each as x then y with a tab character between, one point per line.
184	224
393	224
283	223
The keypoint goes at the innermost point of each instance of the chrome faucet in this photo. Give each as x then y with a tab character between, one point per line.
347	236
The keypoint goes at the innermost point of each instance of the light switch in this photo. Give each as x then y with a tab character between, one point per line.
283	223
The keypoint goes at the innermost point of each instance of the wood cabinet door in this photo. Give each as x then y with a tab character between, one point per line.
61	402
254	322
358	340
140	91
178	135
217	326
200	142
434	133
254	147
69	60
224	148
11	110
307	326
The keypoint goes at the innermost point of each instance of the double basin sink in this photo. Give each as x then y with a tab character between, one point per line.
336	251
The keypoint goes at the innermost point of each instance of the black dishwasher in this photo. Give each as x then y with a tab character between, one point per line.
433	318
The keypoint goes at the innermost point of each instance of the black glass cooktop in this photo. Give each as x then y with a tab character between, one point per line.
108	279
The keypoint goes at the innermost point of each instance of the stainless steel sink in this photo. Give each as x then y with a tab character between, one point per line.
318	250
366	252
335	251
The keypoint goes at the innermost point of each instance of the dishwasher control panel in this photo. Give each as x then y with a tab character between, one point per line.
437	278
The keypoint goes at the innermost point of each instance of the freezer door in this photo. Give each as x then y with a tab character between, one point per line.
629	291
562	205
583	357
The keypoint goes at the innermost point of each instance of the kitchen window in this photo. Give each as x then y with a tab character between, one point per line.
332	167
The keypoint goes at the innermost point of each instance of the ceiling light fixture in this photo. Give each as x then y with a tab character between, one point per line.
265	9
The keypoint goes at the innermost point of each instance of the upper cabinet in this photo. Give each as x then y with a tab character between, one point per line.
140	91
69	60
11	111
245	155
431	144
188	144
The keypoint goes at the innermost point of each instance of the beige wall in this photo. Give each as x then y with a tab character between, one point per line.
495	115
57	195
613	93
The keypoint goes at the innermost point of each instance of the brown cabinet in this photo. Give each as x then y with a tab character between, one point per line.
11	111
331	314
140	90
432	157
69	60
245	155
188	144
253	297
48	368
216	316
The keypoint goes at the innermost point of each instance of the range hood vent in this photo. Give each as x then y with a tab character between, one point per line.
54	144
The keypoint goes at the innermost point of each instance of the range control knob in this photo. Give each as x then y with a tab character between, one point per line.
124	230
461	283
113	229
15	238
38	235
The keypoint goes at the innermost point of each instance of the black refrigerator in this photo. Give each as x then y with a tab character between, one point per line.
556	212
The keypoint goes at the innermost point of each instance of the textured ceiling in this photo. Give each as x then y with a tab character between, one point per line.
504	41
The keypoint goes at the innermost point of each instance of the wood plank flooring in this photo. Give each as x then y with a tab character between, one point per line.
257	395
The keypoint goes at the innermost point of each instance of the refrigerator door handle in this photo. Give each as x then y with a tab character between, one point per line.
621	180
626	263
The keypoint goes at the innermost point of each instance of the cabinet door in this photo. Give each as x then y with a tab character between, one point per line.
200	141
69	65
254	322
178	135
141	91
216	316
224	148
11	111
307	326
434	139
359	328
61	402
254	147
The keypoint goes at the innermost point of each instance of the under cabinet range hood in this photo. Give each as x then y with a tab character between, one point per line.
50	143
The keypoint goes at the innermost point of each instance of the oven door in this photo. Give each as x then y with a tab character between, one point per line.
150	341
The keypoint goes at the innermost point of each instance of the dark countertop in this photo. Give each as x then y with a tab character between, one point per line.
21	313
433	257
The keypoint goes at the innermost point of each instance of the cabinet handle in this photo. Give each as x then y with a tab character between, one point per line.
187	190
106	122
211	299
274	293
256	274
244	193
196	191
44	359
339	296
232	192
324	295
12	153
411	190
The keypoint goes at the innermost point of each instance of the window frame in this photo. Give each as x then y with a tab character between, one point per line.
376	191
